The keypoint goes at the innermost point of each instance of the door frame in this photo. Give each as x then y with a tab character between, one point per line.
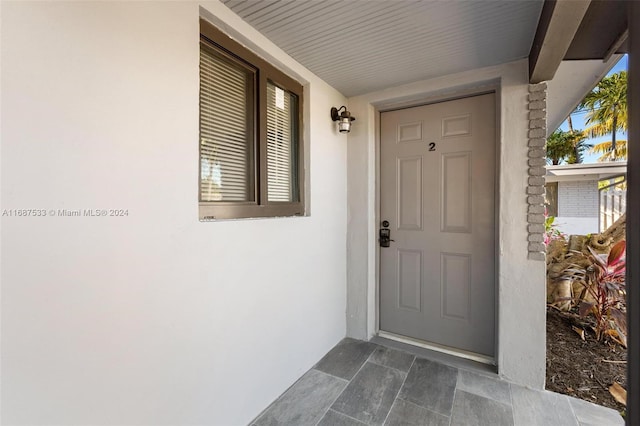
521	297
428	99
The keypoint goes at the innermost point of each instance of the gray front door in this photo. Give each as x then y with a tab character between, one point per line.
437	191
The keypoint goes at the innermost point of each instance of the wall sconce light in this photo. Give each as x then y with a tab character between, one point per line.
345	119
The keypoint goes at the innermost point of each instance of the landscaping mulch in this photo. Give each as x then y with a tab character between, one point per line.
579	368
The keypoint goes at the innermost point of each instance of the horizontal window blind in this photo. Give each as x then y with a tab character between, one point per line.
226	91
281	145
250	143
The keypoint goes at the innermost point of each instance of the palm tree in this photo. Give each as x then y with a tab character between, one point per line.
578	147
567	146
607	106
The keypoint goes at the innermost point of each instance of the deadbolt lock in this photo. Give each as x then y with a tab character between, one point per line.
385	234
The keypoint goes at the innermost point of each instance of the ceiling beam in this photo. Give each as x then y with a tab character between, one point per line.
616	45
559	22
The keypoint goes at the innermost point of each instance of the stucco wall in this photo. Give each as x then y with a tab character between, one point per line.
521	291
153	318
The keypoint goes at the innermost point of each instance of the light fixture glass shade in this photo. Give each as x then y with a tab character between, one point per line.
344	120
344	126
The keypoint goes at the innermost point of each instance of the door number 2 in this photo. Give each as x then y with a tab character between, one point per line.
432	146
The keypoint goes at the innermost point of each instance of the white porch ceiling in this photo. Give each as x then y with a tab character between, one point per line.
360	46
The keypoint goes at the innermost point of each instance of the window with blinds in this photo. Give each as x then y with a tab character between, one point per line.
226	96
281	144
250	133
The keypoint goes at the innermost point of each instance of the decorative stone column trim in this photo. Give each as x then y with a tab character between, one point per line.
536	161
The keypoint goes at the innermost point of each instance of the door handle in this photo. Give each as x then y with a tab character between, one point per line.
385	235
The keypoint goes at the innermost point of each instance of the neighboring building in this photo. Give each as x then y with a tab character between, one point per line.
143	314
577	198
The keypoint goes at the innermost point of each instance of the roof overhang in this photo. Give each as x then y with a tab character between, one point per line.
577	42
577	30
557	28
603	32
364	46
582	172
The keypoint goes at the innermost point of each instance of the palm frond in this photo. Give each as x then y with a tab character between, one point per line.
604	128
606	106
604	148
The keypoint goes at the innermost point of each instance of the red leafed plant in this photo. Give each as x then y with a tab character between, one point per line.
606	284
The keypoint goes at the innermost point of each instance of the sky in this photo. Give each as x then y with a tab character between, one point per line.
579	118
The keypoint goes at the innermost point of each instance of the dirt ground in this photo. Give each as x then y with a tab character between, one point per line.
579	368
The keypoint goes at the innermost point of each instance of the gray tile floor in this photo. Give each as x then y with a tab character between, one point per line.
361	383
